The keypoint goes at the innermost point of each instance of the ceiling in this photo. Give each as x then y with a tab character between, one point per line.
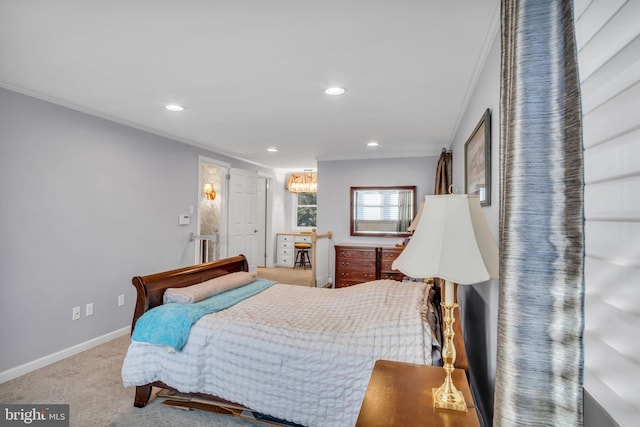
251	74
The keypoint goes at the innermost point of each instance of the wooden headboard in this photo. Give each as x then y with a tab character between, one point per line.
150	289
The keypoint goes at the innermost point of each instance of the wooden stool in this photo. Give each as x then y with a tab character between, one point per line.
302	255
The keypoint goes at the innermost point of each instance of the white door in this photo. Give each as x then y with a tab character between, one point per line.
261	223
243	198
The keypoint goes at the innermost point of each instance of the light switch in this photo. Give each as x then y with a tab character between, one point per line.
184	219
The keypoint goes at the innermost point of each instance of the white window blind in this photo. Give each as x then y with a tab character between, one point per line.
608	37
377	205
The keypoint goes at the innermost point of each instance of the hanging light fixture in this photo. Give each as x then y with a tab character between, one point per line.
306	182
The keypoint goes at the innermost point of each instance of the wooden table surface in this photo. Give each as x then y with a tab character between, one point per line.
400	395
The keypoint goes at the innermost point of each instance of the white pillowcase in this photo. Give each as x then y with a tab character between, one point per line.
195	293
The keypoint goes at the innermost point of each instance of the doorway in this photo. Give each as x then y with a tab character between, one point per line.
237	220
212	229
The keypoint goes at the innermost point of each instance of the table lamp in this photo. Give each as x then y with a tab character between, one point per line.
452	242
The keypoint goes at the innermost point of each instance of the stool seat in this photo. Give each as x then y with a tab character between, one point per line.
302	255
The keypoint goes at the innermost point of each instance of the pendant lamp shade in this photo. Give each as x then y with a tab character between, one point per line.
306	182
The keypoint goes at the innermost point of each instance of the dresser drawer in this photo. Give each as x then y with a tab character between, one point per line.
361	276
286	251
389	254
284	260
386	265
285	244
367	265
391	275
356	253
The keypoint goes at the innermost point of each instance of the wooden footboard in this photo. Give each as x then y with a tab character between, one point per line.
150	290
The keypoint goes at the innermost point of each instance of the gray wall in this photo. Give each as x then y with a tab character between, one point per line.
86	204
479	303
336	177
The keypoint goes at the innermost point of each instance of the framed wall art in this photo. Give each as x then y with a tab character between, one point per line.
477	160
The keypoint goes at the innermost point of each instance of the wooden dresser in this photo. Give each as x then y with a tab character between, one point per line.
360	263
387	255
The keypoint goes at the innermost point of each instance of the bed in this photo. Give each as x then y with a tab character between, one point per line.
295	353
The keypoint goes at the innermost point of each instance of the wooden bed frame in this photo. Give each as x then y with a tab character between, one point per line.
150	290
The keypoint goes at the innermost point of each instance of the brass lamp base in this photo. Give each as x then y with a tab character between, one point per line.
453	400
447	396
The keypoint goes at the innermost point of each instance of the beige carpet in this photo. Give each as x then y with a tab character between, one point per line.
90	383
291	276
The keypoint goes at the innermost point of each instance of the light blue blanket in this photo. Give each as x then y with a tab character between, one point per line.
169	324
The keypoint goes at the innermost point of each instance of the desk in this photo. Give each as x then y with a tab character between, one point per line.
399	395
286	252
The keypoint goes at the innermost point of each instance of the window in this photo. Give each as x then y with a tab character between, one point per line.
378	206
608	58
382	211
305	209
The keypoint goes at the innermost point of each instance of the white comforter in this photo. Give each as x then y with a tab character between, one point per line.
295	353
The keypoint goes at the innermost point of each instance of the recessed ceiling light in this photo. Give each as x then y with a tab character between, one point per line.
336	90
174	107
372	144
272	150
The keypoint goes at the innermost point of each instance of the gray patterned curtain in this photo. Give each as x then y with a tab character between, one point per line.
541	316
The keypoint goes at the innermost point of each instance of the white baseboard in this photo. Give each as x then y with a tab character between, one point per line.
62	354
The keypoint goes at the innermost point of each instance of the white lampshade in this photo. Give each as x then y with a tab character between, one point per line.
452	241
414	224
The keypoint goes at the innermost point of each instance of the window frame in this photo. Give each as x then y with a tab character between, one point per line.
294	214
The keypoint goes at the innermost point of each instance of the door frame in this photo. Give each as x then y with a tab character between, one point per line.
224	198
268	219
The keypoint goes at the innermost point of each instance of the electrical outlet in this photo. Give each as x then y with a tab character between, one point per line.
89	309
120	300
76	313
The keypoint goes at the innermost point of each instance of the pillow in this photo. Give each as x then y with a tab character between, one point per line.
195	293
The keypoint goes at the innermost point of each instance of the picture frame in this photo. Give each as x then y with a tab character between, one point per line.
477	160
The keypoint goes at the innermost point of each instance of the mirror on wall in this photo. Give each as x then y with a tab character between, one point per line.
382	211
